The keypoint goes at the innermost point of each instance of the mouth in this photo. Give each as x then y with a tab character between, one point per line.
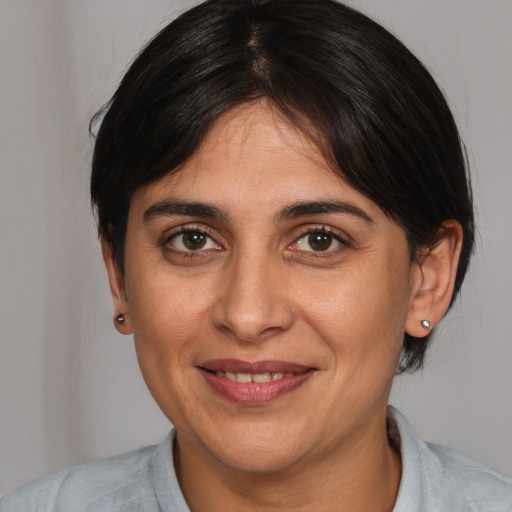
254	383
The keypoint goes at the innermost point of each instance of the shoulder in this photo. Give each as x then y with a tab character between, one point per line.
122	482
439	478
482	487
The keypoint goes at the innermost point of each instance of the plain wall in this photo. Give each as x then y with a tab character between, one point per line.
70	389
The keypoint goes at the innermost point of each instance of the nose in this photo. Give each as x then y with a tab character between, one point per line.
253	305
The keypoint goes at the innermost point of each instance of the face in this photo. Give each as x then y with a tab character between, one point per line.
267	298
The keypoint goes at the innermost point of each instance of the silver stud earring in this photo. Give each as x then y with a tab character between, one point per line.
120	318
425	324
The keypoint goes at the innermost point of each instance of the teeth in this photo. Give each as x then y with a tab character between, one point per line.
245	378
231	376
261	377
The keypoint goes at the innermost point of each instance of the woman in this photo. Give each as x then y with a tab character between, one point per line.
285	217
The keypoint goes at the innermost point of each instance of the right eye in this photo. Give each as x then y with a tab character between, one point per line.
192	240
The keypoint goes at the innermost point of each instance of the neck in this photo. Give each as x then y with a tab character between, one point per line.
356	475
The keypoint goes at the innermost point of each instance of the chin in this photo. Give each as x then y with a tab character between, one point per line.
269	459
256	448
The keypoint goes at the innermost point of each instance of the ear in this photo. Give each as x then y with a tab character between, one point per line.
434	280
117	288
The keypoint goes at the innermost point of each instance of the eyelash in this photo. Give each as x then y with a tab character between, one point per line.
305	231
183	230
325	230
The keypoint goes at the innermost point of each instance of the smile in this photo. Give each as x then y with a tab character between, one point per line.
254	383
253	377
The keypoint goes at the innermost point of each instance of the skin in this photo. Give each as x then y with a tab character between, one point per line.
259	290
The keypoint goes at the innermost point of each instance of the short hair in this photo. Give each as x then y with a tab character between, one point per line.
353	88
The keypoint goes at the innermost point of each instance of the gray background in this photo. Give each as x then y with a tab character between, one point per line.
70	389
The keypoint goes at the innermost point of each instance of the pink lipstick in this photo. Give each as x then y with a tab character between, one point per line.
254	383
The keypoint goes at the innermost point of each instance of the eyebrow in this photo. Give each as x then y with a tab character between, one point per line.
170	208
303	209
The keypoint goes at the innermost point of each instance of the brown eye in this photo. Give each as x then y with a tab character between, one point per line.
189	241
320	241
194	240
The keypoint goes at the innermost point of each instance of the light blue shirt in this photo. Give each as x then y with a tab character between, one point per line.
434	479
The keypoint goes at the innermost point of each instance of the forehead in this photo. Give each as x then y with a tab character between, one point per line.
253	156
252	128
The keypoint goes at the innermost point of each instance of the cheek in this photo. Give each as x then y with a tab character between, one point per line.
169	324
167	313
359	312
164	301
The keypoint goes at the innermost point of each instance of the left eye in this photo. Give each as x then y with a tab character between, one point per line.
317	241
192	241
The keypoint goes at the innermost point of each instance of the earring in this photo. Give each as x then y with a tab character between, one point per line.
120	318
425	324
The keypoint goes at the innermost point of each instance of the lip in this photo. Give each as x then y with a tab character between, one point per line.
237	366
254	393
